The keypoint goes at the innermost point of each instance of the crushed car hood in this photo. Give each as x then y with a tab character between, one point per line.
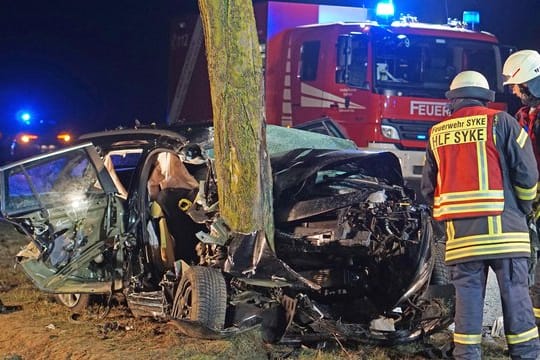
295	167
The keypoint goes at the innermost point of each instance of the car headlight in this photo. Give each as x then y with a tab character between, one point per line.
27	138
389	132
64	137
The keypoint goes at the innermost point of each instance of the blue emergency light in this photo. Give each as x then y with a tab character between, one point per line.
471	18
384	9
24	117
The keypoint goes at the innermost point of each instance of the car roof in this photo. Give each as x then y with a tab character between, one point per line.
133	134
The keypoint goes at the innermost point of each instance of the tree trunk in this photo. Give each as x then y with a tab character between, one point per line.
235	72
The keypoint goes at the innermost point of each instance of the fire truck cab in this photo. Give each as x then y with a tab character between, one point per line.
383	83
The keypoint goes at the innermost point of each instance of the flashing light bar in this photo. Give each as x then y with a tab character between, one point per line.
471	18
385	9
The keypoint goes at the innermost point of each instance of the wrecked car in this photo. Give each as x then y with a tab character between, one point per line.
135	212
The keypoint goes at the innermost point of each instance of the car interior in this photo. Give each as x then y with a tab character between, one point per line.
171	192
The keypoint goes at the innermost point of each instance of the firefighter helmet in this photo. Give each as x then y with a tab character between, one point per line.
470	84
521	67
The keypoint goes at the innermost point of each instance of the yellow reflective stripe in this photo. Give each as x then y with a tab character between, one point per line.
493	130
467	339
494	225
491	225
522	138
438	161
524	193
469	195
450	230
523	337
482	239
482	166
475	251
536	312
468	208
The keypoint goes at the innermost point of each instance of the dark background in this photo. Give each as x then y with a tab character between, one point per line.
100	64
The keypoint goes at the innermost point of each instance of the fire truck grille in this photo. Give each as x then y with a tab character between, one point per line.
411	130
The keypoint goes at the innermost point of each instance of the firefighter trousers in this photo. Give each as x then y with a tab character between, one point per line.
534	268
535	294
469	280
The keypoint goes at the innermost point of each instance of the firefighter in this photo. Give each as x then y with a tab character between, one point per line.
480	177
522	71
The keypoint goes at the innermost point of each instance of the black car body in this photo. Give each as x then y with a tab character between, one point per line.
352	256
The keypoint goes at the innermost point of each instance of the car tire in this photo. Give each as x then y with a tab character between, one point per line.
201	296
75	302
441	272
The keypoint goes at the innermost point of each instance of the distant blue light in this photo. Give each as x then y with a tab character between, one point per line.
384	8
26	117
421	137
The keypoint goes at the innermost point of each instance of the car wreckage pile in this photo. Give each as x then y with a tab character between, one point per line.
353	255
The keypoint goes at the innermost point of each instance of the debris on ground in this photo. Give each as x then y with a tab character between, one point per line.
497	330
106	328
7	309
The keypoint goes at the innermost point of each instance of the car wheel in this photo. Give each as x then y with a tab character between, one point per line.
75	302
441	272
201	296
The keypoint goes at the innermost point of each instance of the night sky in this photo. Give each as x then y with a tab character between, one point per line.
101	64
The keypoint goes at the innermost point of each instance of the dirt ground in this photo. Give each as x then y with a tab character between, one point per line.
33	326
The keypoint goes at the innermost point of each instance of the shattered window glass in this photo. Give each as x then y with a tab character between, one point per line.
53	180
281	139
20	193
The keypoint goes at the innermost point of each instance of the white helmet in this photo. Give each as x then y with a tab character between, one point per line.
521	67
470	84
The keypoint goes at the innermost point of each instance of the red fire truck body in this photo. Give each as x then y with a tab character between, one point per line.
384	84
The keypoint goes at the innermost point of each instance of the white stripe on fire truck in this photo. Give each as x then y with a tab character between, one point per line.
286	107
311	93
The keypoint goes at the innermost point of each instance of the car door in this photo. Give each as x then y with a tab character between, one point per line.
67	204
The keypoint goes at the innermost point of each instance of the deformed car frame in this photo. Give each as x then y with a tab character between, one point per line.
352	256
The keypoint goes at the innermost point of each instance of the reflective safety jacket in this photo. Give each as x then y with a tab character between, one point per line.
480	176
529	119
470	177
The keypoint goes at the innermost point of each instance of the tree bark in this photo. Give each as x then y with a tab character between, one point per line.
235	71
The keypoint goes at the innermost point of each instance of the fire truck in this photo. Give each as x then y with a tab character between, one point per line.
382	82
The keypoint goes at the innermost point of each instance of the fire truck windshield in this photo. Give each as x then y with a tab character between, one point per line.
420	66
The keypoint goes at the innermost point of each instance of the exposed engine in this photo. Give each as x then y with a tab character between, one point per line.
380	227
369	248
